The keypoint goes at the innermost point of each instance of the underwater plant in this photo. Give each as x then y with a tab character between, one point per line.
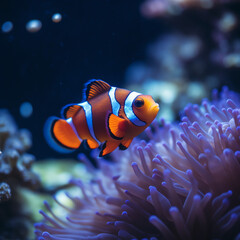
182	183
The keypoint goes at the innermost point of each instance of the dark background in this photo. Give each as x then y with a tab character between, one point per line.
95	39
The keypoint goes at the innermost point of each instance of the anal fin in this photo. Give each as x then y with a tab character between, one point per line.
108	147
92	144
125	144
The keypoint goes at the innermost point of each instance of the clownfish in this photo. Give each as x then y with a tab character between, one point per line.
109	115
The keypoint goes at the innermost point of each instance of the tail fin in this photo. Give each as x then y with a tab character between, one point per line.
60	135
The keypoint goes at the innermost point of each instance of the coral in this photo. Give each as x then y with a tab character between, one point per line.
174	67
15	164
15	171
20	188
156	8
184	183
220	41
198	49
5	191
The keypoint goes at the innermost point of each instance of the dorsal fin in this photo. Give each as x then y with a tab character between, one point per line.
94	88
70	110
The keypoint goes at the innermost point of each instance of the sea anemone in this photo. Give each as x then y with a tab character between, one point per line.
183	182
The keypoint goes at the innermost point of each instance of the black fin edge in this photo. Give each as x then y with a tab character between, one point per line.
122	147
111	134
103	147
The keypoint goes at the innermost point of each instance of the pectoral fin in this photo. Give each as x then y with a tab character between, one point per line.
108	147
117	126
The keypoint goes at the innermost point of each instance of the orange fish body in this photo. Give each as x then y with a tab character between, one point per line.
110	115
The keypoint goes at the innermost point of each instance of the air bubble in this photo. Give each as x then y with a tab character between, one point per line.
7	27
33	26
26	109
57	17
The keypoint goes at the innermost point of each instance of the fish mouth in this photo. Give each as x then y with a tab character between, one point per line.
155	108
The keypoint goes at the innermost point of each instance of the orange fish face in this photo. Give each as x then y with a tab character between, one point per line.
145	108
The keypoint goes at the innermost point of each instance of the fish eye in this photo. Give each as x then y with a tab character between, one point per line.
139	102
